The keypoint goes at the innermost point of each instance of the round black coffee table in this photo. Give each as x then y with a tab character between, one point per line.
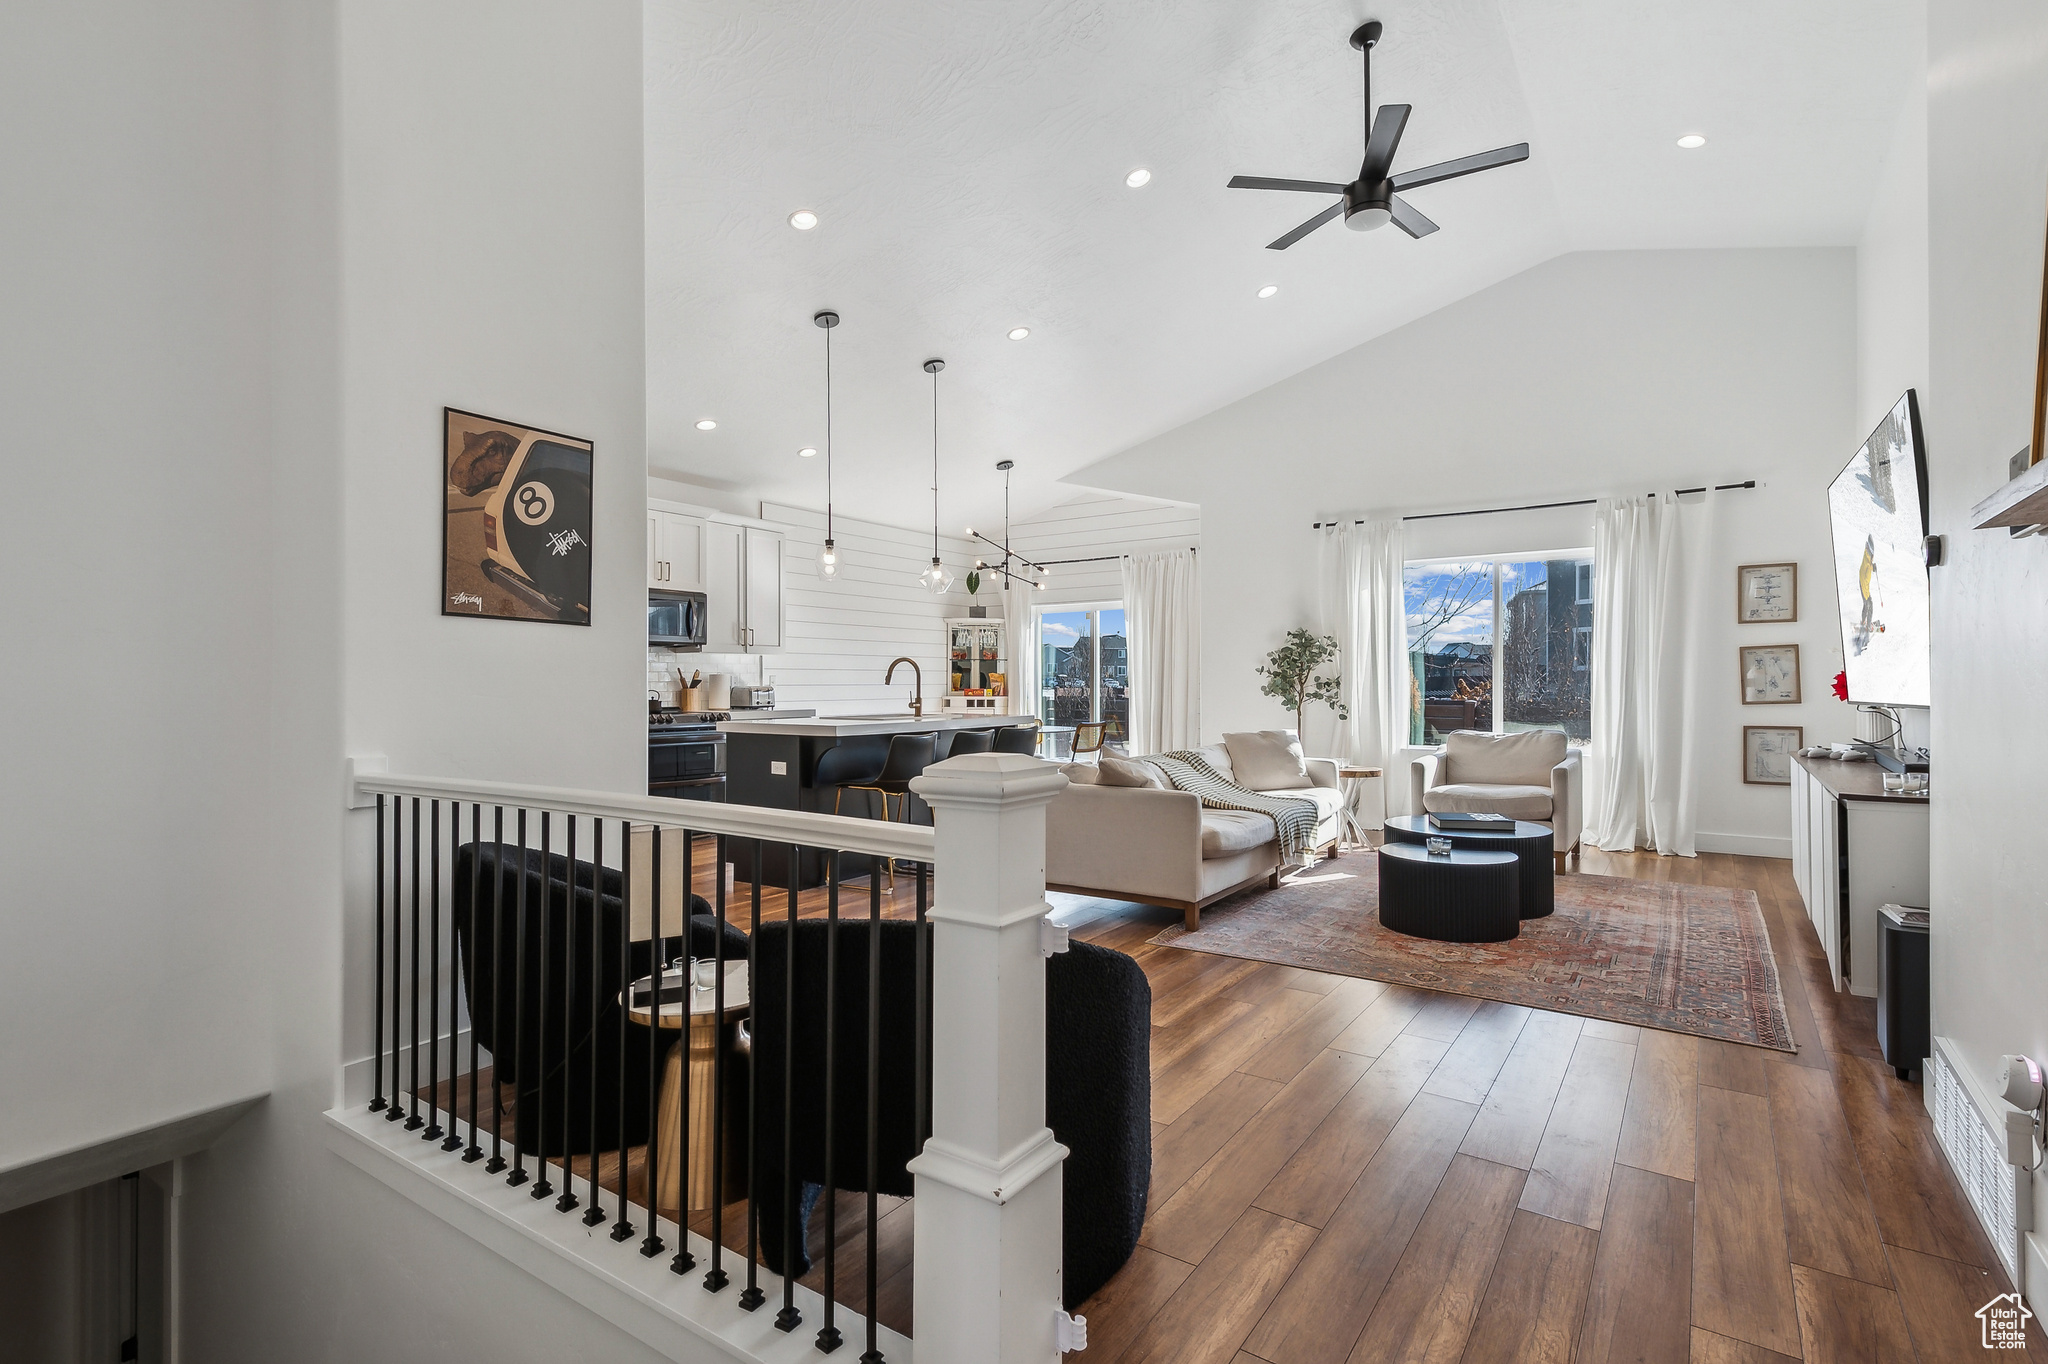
1459	896
1530	842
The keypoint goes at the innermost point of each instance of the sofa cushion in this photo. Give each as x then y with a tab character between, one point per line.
1226	833
1476	759
1127	772
1083	774
1267	760
1515	801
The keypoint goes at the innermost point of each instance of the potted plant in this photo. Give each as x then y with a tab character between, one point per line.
1290	673
974	586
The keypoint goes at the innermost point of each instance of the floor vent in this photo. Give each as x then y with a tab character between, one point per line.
1971	1134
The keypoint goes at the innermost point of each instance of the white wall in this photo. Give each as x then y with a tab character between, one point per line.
1095	524
1595	373
1987	163
1891	270
135	673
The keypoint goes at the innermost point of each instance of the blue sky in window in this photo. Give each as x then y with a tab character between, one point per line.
1426	584
1064	627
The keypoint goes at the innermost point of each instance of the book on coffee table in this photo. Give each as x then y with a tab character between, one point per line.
1468	822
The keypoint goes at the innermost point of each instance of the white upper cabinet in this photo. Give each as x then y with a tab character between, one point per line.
722	613
763	592
675	551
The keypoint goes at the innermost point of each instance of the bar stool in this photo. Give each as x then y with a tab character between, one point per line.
909	755
972	741
853	766
1017	739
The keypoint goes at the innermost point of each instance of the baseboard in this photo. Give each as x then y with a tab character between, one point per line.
1744	845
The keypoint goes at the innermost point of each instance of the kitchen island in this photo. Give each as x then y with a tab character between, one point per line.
771	763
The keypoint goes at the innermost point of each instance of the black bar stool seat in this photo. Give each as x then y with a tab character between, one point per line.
1018	739
972	741
850	766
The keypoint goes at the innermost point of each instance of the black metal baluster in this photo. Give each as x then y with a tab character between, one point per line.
568	1201
541	1187
923	1060
751	1296
519	1175
652	1245
684	1261
413	1121
788	1319
873	1354
377	1008
828	1334
594	1214
498	1046
452	1141
622	1230
716	1278
396	1110
433	1129
476	867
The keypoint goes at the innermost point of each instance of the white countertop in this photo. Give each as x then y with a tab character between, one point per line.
842	726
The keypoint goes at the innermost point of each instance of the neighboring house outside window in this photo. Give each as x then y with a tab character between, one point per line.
1488	640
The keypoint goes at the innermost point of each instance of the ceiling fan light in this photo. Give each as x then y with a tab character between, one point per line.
1368	217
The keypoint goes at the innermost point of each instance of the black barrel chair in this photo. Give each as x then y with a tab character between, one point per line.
1098	1088
555	1076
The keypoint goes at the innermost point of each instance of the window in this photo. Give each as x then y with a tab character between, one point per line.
1084	668
1488	642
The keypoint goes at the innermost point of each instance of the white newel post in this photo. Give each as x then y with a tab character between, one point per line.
987	1270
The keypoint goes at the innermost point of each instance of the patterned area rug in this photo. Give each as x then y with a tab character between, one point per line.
1689	959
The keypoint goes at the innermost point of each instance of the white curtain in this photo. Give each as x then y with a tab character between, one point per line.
1163	617
1022	615
1649	598
1363	607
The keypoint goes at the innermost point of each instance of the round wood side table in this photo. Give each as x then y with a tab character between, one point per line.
1348	778
707	1033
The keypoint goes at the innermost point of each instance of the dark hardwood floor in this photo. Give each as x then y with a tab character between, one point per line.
1346	1171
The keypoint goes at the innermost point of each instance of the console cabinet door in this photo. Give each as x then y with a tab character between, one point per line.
763	616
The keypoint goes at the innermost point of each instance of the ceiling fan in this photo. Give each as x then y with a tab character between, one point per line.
1373	199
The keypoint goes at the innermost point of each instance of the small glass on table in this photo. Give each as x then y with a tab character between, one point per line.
1438	847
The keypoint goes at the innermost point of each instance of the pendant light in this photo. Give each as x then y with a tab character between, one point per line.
936	580
828	557
1013	567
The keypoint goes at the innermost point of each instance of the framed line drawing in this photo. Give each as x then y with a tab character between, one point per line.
1767	594
1767	753
1770	674
515	523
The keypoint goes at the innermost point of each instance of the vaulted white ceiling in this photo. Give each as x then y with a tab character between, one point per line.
967	164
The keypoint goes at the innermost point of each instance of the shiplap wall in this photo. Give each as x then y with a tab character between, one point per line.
1101	523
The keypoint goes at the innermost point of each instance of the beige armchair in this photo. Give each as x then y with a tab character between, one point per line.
1534	776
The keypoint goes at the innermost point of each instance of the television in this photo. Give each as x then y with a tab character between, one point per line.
1877	510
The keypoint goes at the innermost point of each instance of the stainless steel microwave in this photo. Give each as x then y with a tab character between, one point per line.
675	619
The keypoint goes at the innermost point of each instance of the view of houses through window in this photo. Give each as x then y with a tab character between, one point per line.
1084	668
1500	645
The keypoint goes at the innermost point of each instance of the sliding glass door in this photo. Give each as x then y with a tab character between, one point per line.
1084	667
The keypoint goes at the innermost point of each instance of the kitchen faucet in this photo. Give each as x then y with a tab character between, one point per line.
917	698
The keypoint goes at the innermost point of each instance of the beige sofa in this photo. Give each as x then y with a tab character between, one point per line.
1533	775
1161	847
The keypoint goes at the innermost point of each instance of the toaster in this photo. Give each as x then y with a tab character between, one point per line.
752	697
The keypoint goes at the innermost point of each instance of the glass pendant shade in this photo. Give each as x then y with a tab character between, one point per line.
828	563
936	580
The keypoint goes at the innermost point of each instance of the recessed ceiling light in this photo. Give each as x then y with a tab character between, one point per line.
1019	333
1269	291
808	451
1138	178
1691	140
803	220
707	425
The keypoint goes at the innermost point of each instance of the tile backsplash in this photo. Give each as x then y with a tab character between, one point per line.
663	663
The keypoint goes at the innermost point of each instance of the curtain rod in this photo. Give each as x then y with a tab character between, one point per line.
1539	506
1105	558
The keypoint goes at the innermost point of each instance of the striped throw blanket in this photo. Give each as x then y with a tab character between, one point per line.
1294	821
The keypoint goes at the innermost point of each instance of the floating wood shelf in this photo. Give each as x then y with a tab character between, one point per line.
2022	502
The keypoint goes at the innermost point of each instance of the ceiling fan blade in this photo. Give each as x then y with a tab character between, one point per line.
1408	220
1311	225
1385	139
1464	165
1305	186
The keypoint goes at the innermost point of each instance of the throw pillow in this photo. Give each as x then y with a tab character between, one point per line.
1267	760
1081	774
1124	772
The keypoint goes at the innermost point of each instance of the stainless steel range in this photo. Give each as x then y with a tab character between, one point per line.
686	754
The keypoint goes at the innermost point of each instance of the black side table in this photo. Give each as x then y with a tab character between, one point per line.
1532	843
1459	896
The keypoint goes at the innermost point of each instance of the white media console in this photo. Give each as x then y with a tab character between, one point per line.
1855	846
